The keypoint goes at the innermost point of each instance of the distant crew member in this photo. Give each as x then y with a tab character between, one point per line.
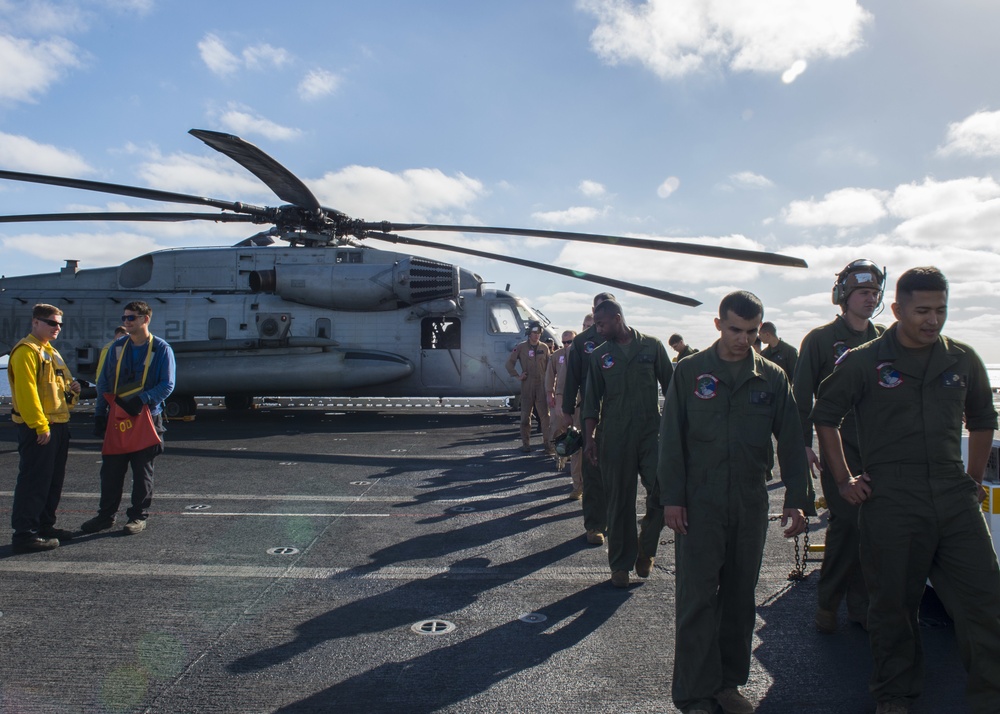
119	331
42	393
136	361
920	514
858	291
621	417
595	510
533	356
722	408
777	350
555	381
678	345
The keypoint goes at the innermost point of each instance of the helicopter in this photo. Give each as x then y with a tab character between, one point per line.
321	315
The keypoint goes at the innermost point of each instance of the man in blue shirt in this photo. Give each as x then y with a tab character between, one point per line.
139	370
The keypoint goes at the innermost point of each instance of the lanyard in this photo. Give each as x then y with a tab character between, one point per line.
145	370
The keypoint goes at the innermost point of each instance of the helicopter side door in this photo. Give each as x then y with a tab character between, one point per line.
441	351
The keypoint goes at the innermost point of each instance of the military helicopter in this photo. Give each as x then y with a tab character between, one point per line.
322	315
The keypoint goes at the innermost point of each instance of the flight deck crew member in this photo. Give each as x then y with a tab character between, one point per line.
920	512
722	408
555	380
678	345
119	331
533	355
858	291
777	350
42	393
595	512
623	406
136	361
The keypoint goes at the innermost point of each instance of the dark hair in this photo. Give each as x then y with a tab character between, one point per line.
120	331
139	308
44	310
742	304
769	327
674	339
610	308
924	278
602	297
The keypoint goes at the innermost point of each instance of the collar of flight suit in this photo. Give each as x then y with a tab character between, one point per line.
720	368
944	354
841	330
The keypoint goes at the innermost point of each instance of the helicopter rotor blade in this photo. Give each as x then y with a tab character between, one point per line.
710	251
133	191
589	277
146	216
286	185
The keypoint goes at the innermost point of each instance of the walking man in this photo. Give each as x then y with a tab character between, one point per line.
533	356
722	408
777	350
920	515
621	418
42	393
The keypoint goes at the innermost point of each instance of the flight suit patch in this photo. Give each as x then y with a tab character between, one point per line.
531	353
840	349
888	377
645	359
706	386
589	347
607	361
562	358
953	380
762	398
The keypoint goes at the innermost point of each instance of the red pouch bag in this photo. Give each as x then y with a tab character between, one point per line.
127	434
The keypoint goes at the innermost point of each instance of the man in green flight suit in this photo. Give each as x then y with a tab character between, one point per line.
858	291
777	350
722	408
623	406
920	513
595	514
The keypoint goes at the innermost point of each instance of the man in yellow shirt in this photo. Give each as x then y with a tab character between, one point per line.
42	393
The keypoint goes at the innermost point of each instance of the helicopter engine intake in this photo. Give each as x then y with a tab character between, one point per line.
360	286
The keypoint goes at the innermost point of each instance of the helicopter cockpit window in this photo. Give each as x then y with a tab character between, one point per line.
503	319
440	333
350	256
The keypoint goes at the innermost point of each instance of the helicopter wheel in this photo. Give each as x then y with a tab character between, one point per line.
238	402
180	406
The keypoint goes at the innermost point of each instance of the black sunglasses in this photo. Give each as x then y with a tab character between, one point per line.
50	323
567	342
129	318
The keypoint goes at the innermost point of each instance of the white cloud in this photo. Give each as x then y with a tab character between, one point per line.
846	207
976	135
242	122
748	179
568	217
318	83
592	189
19	153
912	200
201	176
112	248
414	195
30	67
676	37
668	187
223	62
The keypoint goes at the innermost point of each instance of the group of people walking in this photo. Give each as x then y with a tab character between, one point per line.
888	408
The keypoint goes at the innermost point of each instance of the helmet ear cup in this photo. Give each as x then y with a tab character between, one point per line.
841	290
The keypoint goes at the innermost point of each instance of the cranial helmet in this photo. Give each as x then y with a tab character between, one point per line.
569	442
859	274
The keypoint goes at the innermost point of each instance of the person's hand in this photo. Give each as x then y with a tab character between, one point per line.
813	461
43	438
855	490
132	405
552	400
980	492
795	520
100	425
74	387
676	519
590	451
567	421
523	376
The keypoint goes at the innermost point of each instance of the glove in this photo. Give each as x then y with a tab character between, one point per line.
100	425
132	405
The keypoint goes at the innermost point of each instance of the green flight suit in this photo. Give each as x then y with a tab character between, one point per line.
923	517
715	446
594	503
783	355
622	395
840	574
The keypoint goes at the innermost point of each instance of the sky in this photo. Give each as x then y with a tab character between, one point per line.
829	130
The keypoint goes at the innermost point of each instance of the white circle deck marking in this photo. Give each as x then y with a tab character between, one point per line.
433	627
197	507
283	550
361	483
532	617
462	509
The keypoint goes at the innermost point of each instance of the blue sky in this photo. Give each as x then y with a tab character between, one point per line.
826	129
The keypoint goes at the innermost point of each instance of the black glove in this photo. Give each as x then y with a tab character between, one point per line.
132	405
100	425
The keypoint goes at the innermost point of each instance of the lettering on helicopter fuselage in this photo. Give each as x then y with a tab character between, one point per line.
175	330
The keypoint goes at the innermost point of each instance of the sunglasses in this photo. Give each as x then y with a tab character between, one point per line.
567	342
129	318
50	323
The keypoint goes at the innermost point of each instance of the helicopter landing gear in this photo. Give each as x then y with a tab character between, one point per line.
238	402
180	406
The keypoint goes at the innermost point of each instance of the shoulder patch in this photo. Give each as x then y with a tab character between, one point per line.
589	346
843	355
706	386
607	361
888	377
840	349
